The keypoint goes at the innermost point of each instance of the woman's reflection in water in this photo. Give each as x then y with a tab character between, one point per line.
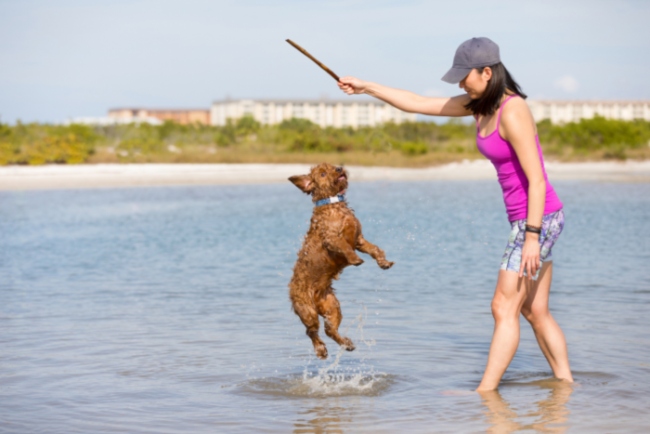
550	416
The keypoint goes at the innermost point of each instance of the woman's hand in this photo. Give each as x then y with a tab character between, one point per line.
530	256
352	85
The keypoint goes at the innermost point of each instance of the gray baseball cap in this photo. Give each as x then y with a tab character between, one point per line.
473	53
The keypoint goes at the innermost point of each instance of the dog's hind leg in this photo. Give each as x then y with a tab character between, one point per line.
377	254
329	307
309	317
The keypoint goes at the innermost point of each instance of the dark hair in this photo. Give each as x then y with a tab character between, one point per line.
490	101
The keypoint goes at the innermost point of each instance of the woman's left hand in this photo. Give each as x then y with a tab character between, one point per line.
530	256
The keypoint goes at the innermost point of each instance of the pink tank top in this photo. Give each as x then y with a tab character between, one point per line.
510	173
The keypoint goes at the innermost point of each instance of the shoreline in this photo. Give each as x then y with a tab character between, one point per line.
54	177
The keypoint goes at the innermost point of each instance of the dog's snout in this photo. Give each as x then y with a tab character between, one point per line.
339	169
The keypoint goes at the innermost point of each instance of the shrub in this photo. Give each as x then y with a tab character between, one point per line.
414	148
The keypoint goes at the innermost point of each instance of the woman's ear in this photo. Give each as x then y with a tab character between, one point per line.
487	73
303	182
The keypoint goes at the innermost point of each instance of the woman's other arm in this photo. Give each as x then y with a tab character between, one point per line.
407	101
518	128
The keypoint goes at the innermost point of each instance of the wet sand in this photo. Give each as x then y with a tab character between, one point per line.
143	175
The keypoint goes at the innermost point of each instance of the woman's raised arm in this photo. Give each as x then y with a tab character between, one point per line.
407	101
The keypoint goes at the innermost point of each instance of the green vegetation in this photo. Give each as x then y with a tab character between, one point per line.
597	137
40	144
299	140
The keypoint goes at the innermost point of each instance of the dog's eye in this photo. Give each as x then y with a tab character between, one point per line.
322	174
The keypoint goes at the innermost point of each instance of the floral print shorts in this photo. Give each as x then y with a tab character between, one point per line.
552	225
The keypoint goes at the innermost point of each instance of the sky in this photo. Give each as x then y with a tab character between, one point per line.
71	58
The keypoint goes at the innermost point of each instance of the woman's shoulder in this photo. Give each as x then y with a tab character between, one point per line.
516	109
516	118
515	100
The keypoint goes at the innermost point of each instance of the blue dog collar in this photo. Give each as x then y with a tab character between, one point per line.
334	199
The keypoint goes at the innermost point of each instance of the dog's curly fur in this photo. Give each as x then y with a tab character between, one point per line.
329	247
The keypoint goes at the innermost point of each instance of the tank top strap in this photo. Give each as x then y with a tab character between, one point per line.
501	108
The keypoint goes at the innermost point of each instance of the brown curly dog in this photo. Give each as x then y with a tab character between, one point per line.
329	247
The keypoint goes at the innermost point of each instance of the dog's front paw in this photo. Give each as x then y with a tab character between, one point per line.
356	261
385	264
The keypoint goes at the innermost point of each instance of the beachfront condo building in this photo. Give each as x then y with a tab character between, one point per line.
353	112
342	113
561	112
181	116
324	112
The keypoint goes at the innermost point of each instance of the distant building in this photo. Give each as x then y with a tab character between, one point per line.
354	112
107	120
200	116
335	113
560	112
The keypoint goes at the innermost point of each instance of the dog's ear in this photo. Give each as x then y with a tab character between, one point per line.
303	182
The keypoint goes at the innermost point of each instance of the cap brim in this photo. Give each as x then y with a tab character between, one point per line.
455	75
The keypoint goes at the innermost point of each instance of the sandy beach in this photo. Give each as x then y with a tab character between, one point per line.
143	175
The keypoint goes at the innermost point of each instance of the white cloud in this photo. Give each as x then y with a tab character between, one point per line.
567	84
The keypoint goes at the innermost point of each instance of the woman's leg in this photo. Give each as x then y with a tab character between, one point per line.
548	333
509	296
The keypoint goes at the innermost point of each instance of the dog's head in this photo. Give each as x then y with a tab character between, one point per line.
322	181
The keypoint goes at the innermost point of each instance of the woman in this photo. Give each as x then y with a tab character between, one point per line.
507	136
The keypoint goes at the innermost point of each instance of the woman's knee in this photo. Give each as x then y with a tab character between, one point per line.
527	312
504	309
535	314
509	295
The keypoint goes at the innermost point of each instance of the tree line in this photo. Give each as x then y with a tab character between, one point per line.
246	140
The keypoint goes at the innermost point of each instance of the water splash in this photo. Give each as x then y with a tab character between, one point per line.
354	377
337	380
331	380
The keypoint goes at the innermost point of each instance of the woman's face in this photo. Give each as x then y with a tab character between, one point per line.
476	82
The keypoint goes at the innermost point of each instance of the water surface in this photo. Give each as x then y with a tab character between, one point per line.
165	310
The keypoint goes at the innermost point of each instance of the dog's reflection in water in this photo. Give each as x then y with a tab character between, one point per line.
330	417
550	416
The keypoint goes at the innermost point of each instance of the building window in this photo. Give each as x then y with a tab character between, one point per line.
364	115
638	111
265	114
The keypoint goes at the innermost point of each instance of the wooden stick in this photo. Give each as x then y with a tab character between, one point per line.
303	51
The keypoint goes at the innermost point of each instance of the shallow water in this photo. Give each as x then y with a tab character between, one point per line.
165	310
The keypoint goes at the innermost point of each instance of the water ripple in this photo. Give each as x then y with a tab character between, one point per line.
166	310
